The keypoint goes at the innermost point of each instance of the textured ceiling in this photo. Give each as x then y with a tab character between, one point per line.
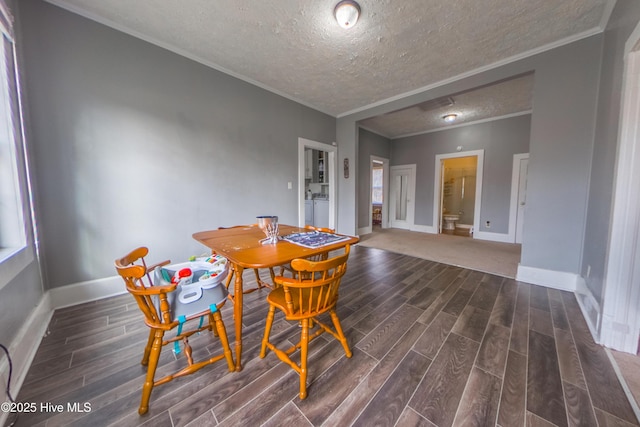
498	100
295	47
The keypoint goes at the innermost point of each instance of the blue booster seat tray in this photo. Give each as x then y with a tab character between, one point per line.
198	284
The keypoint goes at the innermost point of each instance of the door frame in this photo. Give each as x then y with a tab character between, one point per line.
333	178
385	191
619	324
437	188
513	205
411	196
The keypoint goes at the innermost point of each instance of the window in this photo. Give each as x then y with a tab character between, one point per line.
376	186
14	204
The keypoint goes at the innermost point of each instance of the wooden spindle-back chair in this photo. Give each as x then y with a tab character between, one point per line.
312	292
164	313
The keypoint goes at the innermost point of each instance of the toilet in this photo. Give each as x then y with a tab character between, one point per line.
449	221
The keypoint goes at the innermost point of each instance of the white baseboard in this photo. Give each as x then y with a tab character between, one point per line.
23	349
423	228
552	279
589	307
365	230
494	237
82	292
26	342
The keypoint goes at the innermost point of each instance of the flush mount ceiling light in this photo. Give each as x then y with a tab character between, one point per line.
347	13
450	118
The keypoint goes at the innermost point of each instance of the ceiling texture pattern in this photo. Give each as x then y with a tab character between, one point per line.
295	47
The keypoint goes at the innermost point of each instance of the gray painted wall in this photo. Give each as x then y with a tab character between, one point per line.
500	140
624	19
371	144
565	96
564	106
134	145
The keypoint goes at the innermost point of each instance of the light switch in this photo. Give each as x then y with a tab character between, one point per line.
289	185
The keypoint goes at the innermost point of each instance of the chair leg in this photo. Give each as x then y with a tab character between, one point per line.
304	348
154	355
267	331
213	326
338	327
222	334
259	281
147	349
229	279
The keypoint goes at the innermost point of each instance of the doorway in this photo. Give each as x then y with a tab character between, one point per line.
457	197
619	324
320	170
379	193
458	192
402	183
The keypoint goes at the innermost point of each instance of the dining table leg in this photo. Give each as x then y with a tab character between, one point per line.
237	314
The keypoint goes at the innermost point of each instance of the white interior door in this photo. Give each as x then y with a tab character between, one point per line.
522	198
402	194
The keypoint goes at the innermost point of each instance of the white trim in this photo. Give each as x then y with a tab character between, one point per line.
23	349
332	173
82	292
14	263
186	54
437	184
494	237
475	122
377	132
423	229
550	46
608	10
620	326
551	279
497	64
513	204
365	230
588	305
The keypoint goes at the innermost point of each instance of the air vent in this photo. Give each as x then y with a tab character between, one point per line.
437	103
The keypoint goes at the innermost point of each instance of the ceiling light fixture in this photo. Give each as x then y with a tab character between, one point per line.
450	118
347	13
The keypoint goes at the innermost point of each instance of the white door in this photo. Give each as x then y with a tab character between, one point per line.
522	198
401	195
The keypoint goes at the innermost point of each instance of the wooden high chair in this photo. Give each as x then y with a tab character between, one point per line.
312	292
164	313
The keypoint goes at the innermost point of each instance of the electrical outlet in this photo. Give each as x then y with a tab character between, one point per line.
487	224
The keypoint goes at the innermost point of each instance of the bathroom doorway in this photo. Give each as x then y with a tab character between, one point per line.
458	192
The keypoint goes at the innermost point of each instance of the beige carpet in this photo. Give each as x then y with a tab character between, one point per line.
491	257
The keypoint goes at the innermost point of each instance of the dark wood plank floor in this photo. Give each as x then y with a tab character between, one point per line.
432	345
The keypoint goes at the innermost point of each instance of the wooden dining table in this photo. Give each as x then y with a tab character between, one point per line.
243	249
